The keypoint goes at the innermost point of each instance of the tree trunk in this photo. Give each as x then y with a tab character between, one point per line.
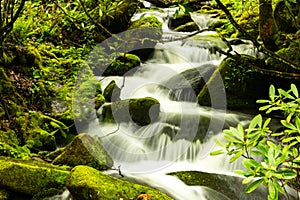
267	26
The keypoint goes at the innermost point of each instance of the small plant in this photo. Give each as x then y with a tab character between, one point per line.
271	158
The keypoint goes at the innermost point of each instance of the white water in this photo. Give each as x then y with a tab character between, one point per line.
184	135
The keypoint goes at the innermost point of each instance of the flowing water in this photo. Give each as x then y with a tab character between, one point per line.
183	137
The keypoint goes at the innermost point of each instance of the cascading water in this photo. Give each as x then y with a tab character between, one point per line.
184	135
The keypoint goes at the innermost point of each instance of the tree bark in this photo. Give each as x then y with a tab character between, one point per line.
267	26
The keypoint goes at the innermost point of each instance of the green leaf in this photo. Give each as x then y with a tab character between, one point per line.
263	101
257	120
288	174
217	152
253	186
182	8
272	189
288	125
241	172
237	155
265	107
294	90
272	92
248	180
250	163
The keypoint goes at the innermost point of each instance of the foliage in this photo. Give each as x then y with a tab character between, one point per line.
271	158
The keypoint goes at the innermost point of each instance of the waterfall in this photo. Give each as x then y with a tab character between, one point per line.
185	133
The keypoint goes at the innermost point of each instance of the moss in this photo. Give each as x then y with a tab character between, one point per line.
86	183
99	101
112	92
142	111
47	193
4	194
146	22
29	177
122	64
218	182
85	150
240	83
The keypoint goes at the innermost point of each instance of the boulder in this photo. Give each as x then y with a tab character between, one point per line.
179	21
86	183
141	111
85	150
148	31
125	63
115	15
222	185
112	92
235	85
188	27
4	194
30	177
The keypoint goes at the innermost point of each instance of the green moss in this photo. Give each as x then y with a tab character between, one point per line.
240	83
85	150
86	183
122	65
29	177
112	92
99	101
4	194
142	111
146	22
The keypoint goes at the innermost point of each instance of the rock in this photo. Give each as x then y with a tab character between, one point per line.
123	64
222	185
112	92
29	177
86	183
194	4
99	101
85	150
142	111
179	21
240	83
186	85
116	14
188	27
149	31
4	194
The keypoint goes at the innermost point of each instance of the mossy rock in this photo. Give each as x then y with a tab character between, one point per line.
240	82
147	31
29	177
229	186
141	111
188	27
178	21
85	150
4	194
86	183
123	64
99	101
112	92
116	14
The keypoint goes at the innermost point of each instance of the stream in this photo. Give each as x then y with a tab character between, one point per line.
185	133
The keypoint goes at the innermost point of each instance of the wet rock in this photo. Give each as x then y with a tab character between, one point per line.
236	86
125	63
85	150
226	186
29	177
188	27
86	183
141	111
179	21
117	14
112	92
148	31
186	85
